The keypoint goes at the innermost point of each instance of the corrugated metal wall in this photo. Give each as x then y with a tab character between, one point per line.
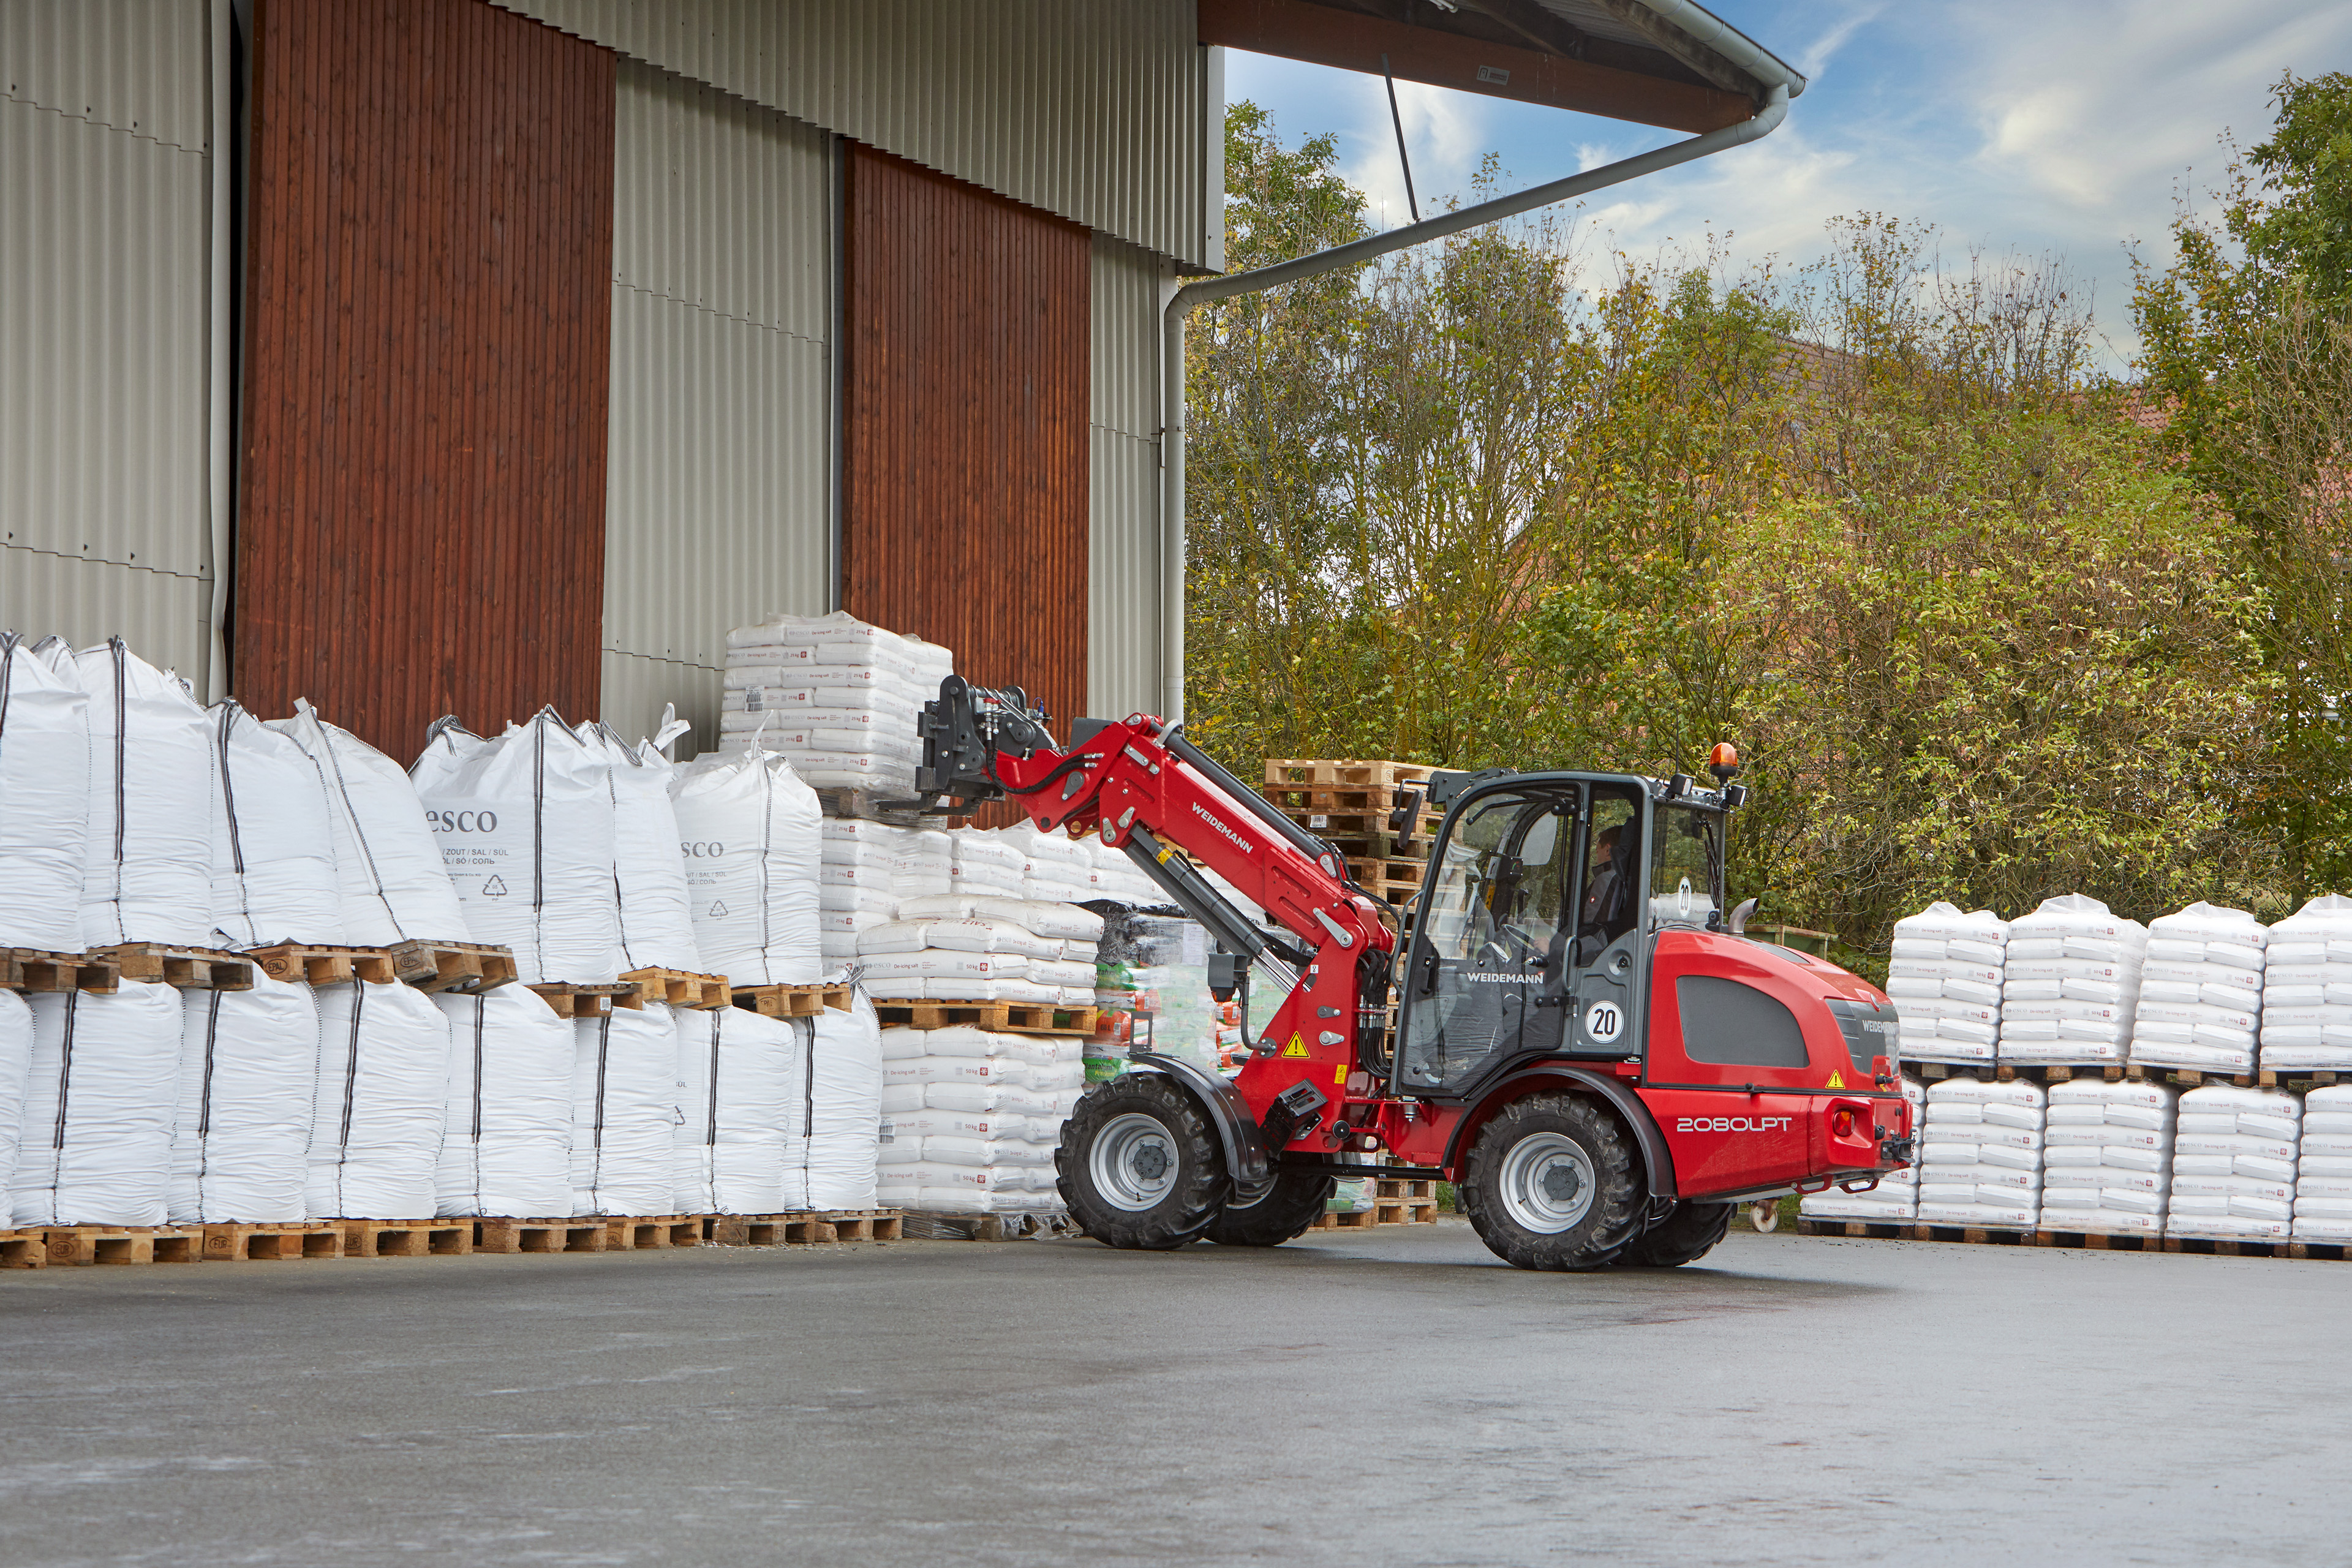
104	324
965	492
1123	651
1095	112
428	308
718	511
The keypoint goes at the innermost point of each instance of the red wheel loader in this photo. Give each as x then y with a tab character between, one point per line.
1582	1041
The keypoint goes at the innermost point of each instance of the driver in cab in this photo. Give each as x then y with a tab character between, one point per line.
1608	910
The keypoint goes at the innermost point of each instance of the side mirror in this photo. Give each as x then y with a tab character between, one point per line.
1742	915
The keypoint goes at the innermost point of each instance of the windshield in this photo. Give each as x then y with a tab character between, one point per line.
1686	871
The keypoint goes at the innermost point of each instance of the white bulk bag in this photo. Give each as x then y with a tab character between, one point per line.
44	801
382	1102
740	1099
624	1108
844	1107
648	864
15	1065
386	859
526	826
506	1149
751	831
99	1100
274	876
149	856
248	1077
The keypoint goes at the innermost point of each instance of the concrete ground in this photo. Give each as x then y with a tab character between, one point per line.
1366	1397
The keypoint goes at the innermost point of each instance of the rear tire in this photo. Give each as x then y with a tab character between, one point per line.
1551	1183
1683	1237
1139	1165
1290	1206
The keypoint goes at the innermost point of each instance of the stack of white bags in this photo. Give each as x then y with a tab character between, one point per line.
838	697
2070	981
2323	1183
984	948
970	1118
2233	1164
2201	998
866	868
1945	979
2107	1157
2307	1019
1980	1154
1897	1196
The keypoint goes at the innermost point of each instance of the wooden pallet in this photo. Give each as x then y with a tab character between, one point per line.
2099	1240
24	1249
40	973
1932	1070
636	1232
2187	1078
253	1243
2231	1247
1375	878
406	1238
792	1001
183	968
2057	1072
583	1233
1342	773
1004	1018
1975	1236
454	965
1871	1229
682	988
920	1226
806	1228
2301	1078
572	1001
1405	1189
71	1245
326	965
2320	1251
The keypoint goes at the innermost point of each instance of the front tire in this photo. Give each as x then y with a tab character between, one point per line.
1551	1183
1139	1165
1290	1206
1683	1237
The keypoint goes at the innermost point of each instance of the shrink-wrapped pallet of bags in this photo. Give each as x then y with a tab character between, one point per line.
1980	1154
961	947
506	1147
2233	1164
624	1110
2070	981
834	1166
149	857
248	1092
2322	1177
972	1118
655	906
2107	1157
380	1102
387	859
2307	1019
2200	994
1895	1200
44	760
274	877
102	1095
525	821
741	1095
836	695
1943	974
750	829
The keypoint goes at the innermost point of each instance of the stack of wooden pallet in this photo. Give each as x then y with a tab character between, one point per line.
1373	813
1395	1201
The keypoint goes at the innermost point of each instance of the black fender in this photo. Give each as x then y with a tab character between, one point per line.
1237	1129
1657	1161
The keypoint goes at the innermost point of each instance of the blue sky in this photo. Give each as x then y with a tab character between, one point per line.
2064	127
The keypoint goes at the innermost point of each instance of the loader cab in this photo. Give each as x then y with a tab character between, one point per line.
1534	925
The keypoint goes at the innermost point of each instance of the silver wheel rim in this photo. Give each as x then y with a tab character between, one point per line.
1547	1183
1133	1162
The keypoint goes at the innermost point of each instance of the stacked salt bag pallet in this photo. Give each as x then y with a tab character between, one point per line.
2233	1164
1944	976
1895	1199
838	697
2200	996
864	868
2070	980
981	948
1980	1154
2107	1157
971	1117
2323	1183
2306	1021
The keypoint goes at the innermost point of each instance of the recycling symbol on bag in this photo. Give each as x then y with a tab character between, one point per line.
496	887
719	911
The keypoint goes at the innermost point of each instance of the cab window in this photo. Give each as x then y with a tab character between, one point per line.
1686	869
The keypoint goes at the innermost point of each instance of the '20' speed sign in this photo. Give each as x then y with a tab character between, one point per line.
1604	1021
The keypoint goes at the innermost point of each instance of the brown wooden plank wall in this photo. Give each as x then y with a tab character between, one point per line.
965	461
428	321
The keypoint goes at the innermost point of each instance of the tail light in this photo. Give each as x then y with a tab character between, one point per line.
1842	1124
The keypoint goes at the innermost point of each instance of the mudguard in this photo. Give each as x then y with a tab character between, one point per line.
1657	1159
1244	1144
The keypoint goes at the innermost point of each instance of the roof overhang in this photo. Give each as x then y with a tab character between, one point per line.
1618	58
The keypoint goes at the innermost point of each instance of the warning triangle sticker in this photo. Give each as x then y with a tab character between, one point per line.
1297	1046
719	911
1837	1079
495	887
